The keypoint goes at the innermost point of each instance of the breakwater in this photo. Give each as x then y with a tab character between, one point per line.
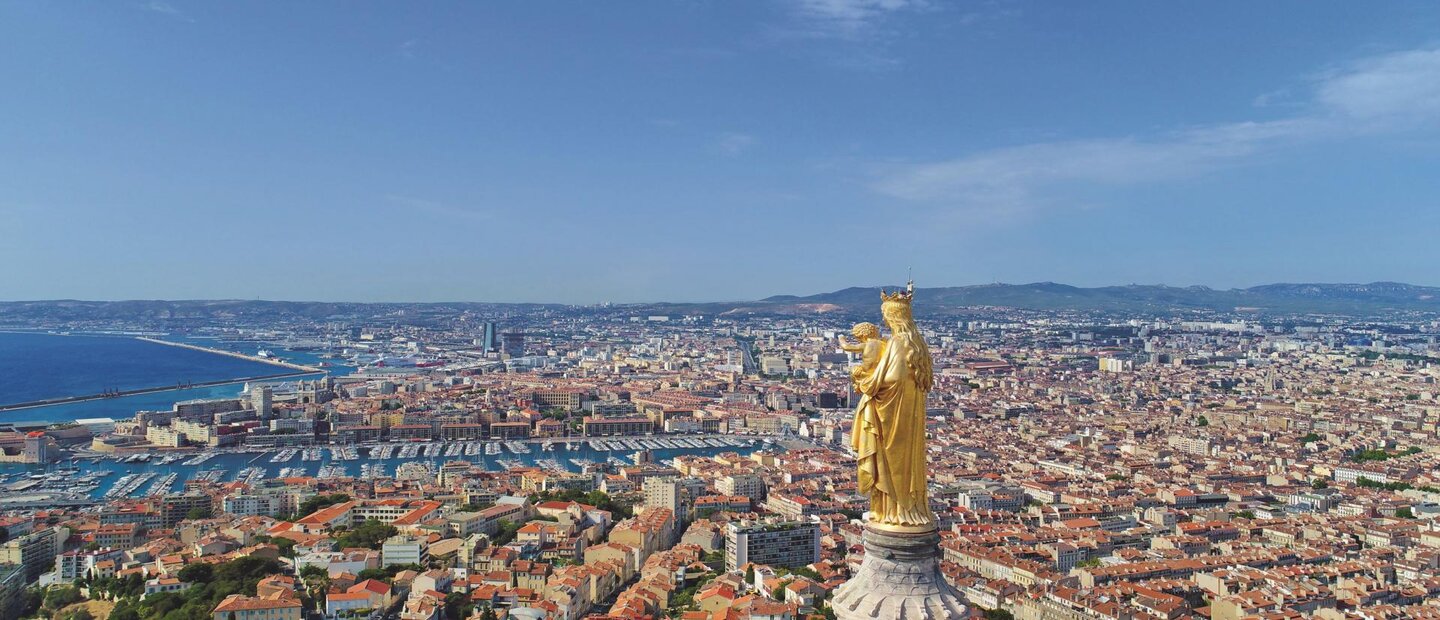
119	393
252	358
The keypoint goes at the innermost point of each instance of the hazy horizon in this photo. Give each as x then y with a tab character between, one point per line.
919	286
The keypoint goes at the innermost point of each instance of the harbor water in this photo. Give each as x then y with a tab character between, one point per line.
364	461
36	365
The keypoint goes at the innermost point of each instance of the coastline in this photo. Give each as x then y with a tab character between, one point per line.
50	402
291	370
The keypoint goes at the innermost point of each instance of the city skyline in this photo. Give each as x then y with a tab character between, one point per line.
700	152
1373	297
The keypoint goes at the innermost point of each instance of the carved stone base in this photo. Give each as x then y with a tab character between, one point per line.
899	580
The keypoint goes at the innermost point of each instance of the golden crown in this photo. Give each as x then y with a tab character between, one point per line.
903	297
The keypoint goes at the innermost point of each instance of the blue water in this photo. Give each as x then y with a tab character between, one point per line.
122	407
40	366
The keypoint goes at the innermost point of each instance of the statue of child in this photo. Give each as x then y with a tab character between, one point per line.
868	347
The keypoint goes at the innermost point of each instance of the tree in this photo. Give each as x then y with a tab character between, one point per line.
123	611
779	592
507	531
196	573
131	587
1371	455
198	513
317	582
31	600
59	597
808	573
681	600
998	614
389	572
1319	483
1202	421
457	606
369	535
1405	513
286	546
489	614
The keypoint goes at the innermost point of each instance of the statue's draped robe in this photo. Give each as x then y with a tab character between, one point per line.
889	441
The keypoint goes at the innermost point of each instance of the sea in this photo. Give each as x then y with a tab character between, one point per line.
39	366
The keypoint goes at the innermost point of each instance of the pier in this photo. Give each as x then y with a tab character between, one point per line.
293	370
252	358
169	388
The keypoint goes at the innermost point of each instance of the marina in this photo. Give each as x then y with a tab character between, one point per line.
162	486
150	474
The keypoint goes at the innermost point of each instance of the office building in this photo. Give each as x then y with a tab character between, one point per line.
512	343
488	339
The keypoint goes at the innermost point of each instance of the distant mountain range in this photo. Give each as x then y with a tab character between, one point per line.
1374	299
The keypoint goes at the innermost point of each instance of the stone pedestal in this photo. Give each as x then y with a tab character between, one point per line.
899	580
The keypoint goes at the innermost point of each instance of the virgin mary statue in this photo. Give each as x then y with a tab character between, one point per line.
889	432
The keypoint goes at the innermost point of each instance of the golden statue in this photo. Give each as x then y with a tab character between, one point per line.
889	431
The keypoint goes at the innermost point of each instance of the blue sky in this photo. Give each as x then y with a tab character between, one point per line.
637	151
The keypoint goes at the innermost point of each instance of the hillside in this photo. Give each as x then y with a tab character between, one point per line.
1374	298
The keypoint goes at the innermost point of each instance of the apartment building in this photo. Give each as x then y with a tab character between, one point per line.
789	544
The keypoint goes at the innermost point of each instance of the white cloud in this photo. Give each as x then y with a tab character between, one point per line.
1375	96
165	8
1403	87
847	18
733	144
858	34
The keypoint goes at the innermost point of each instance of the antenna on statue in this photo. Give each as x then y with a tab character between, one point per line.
909	281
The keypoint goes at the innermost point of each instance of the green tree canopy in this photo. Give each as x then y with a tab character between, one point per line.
369	535
58	597
196	573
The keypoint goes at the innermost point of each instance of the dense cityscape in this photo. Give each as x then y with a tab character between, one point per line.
598	463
